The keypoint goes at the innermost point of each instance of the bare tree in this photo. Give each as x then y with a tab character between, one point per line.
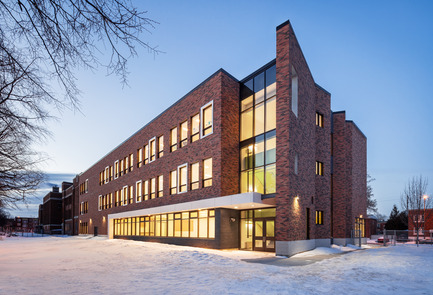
414	202
371	201
45	41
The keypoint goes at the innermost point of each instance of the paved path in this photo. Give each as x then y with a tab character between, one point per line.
292	261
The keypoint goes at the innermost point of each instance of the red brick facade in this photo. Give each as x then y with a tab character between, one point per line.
308	136
349	175
221	146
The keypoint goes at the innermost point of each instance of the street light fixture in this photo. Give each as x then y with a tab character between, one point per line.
425	197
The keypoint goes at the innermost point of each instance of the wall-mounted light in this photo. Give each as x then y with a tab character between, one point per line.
232	219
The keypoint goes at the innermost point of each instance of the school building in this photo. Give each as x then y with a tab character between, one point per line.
260	163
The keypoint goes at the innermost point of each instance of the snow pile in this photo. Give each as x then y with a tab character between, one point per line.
76	265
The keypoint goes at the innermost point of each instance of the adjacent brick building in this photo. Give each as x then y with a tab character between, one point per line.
258	164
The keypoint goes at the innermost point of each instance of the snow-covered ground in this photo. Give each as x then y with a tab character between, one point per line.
78	265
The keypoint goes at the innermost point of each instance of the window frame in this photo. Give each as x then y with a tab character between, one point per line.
138	191
196	136
160	186
179	178
153	139
173	144
160	148
204	171
202	129
196	184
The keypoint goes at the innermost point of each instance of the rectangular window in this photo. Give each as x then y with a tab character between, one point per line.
131	194
126	165
207	172
131	162
152	149
319	168
153	188
160	186
206	114
138	191
173	139
173	182
146	154
195	181
160	146
195	128
182	172
183	134
116	199
294	92
86	186
146	190
139	157
124	196
121	168
319	217
319	119
116	169
99	203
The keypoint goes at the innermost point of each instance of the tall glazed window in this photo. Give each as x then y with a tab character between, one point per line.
258	133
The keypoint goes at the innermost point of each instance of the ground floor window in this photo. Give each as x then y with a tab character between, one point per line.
359	227
258	229
84	228
191	224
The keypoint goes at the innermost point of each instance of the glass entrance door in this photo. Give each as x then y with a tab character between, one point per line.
264	234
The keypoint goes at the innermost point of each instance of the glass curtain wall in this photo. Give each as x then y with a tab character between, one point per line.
258	133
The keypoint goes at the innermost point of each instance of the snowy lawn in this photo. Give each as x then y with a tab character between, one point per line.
78	265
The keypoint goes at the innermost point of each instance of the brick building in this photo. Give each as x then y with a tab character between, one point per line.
258	164
25	224
50	212
423	219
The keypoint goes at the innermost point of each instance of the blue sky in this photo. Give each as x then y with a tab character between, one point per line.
374	57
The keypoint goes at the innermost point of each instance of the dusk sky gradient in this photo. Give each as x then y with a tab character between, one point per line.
374	57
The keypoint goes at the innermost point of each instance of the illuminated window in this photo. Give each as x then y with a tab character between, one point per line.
146	190
131	194
207	172
153	188
152	149
294	92
319	168
131	162
116	199
195	128
173	139
160	186
138	191
107	174
319	120
183	134
121	168
195	181
124	196
173	182
160	146
84	208
86	186
146	154
206	114
139	157
182	172
126	165
116	169
319	217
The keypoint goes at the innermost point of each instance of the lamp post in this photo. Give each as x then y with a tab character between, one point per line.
425	198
